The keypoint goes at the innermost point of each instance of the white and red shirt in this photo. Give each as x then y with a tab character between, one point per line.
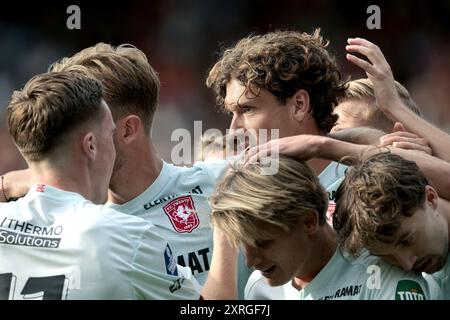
56	244
177	204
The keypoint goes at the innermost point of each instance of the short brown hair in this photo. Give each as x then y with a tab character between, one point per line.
130	84
245	197
283	62
49	106
376	195
363	89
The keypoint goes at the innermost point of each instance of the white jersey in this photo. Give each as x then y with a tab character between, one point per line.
442	277
343	278
177	204
55	244
330	178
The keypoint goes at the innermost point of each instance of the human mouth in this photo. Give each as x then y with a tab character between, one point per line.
425	265
268	272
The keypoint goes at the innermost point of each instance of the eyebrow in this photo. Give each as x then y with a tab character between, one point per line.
403	237
233	106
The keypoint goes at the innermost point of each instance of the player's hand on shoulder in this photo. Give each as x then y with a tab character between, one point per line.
403	139
15	184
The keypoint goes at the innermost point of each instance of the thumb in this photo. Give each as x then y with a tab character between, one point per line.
398	126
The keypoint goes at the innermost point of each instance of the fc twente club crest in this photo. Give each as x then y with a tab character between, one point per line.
182	215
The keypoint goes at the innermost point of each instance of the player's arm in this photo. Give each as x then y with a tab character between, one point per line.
360	135
14	185
221	283
306	147
380	73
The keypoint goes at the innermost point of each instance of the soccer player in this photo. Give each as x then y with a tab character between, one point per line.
54	242
386	204
280	222
358	109
173	198
380	74
283	80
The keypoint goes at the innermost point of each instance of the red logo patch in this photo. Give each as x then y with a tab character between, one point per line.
182	215
330	212
40	188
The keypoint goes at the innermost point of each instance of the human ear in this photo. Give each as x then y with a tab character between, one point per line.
431	196
300	105
89	145
128	128
310	222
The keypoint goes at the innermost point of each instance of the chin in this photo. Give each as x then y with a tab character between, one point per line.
275	282
439	264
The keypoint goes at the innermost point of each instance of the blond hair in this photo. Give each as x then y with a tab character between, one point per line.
48	107
245	198
377	194
363	89
130	84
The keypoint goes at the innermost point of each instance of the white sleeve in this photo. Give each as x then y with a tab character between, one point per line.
156	274
215	168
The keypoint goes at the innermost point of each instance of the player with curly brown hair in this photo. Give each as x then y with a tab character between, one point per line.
285	80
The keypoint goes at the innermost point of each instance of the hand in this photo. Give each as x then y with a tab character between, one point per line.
400	138
406	140
16	183
378	71
303	146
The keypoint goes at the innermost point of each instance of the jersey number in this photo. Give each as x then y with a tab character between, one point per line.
51	287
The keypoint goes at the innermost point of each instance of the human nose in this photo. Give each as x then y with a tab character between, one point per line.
252	257
236	122
406	260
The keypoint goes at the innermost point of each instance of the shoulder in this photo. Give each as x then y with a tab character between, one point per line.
214	169
388	282
113	227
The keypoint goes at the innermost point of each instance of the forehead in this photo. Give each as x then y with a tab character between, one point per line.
236	92
354	108
407	226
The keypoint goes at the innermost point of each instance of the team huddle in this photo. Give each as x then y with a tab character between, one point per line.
358	207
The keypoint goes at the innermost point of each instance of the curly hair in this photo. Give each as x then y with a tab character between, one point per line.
376	195
283	62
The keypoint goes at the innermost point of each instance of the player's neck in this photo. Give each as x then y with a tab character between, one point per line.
318	165
59	176
325	246
140	169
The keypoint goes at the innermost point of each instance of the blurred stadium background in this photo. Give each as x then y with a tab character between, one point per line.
182	39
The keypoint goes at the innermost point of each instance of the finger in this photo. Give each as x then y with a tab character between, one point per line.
361	42
393	139
359	49
366	66
260	156
412	146
405	134
250	153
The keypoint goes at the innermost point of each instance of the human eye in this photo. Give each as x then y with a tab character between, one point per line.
409	240
262	243
247	109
